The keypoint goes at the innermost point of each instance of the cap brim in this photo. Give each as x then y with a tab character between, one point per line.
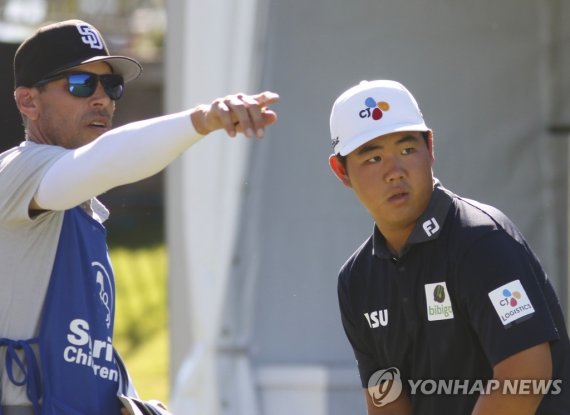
357	141
129	68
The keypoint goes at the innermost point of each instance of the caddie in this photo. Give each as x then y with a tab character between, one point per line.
57	302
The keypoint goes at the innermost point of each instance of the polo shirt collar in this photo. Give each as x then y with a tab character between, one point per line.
428	226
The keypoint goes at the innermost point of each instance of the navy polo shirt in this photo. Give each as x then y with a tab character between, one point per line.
466	292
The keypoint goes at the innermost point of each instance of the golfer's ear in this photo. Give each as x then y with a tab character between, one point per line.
339	170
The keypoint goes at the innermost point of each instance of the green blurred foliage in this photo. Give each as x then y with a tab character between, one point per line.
141	323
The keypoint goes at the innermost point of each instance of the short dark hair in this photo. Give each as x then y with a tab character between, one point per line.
342	159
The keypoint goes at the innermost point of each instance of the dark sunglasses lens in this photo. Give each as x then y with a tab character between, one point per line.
85	84
82	84
113	85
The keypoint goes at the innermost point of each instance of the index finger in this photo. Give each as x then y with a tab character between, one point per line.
266	98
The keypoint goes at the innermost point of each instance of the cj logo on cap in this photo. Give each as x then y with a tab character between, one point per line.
374	109
90	36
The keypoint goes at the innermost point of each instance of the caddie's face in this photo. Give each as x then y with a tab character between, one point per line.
392	177
69	121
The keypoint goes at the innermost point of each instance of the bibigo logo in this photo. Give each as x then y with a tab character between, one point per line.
438	302
384	386
374	109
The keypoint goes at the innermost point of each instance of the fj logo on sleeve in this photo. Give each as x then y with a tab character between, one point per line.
89	36
438	302
511	302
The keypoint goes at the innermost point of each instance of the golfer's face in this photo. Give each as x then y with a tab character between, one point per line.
392	177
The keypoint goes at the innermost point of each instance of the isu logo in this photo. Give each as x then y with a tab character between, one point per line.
89	36
377	318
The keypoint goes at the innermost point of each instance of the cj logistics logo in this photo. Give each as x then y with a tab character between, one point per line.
511	302
374	109
511	298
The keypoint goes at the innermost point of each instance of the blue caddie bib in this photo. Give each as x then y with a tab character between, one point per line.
79	372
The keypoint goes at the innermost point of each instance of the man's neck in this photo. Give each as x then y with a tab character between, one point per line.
396	238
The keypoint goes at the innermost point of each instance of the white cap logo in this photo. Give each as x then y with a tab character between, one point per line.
371	109
89	36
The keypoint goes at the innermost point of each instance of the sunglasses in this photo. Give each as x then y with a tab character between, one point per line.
84	84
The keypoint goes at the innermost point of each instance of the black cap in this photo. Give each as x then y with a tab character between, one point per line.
59	46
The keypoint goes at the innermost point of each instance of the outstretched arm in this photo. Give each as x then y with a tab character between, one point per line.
138	150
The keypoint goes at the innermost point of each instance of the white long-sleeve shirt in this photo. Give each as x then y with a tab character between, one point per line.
61	179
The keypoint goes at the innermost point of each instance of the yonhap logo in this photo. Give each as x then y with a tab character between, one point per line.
384	386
